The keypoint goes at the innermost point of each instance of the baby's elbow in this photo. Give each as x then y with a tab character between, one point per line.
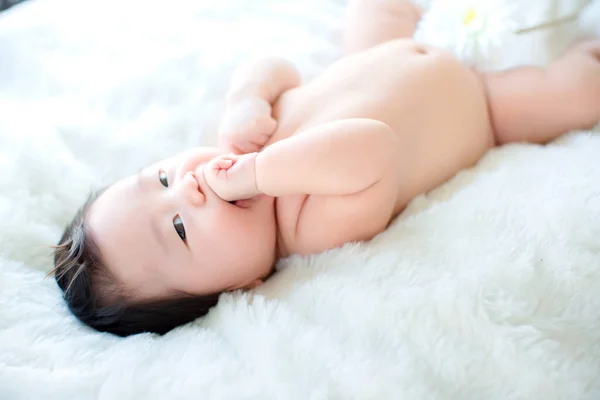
379	151
386	143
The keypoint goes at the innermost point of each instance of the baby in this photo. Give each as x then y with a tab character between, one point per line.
305	168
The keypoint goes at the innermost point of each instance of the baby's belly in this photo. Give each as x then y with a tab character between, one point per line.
442	117
436	106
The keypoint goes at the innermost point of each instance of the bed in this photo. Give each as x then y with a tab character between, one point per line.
488	287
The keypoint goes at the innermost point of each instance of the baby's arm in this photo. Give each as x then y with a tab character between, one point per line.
265	78
247	123
337	158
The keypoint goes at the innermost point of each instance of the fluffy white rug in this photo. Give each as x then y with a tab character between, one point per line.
486	288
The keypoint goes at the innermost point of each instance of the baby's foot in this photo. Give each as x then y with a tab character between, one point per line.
587	44
579	69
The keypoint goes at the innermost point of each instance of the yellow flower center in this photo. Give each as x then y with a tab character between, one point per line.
470	16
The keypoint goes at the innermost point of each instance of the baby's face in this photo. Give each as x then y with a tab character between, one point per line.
165	231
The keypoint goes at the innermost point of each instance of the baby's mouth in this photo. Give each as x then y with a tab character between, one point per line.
242	203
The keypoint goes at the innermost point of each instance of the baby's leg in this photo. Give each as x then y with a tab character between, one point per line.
532	104
371	22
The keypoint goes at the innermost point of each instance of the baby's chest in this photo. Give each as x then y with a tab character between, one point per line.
312	224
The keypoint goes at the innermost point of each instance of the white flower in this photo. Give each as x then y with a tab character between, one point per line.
589	20
472	29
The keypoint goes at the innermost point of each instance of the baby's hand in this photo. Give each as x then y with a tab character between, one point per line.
247	125
232	177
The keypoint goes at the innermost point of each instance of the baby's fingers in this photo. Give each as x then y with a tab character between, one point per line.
223	162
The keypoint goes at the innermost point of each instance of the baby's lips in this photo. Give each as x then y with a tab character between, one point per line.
244	203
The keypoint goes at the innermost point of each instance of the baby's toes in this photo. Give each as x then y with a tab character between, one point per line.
591	47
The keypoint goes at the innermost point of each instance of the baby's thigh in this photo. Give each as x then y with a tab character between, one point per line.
372	22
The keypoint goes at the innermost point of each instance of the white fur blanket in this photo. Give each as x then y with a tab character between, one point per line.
486	288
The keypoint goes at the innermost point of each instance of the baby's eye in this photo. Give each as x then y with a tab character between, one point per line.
178	224
162	177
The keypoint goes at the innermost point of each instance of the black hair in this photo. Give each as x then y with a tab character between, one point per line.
95	296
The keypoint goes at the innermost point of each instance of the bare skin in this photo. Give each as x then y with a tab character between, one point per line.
331	161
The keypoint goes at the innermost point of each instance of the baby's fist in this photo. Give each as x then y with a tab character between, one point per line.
232	177
247	125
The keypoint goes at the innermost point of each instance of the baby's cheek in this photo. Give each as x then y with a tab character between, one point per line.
224	227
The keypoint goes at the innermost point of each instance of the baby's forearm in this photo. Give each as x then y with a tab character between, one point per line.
266	78
338	158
